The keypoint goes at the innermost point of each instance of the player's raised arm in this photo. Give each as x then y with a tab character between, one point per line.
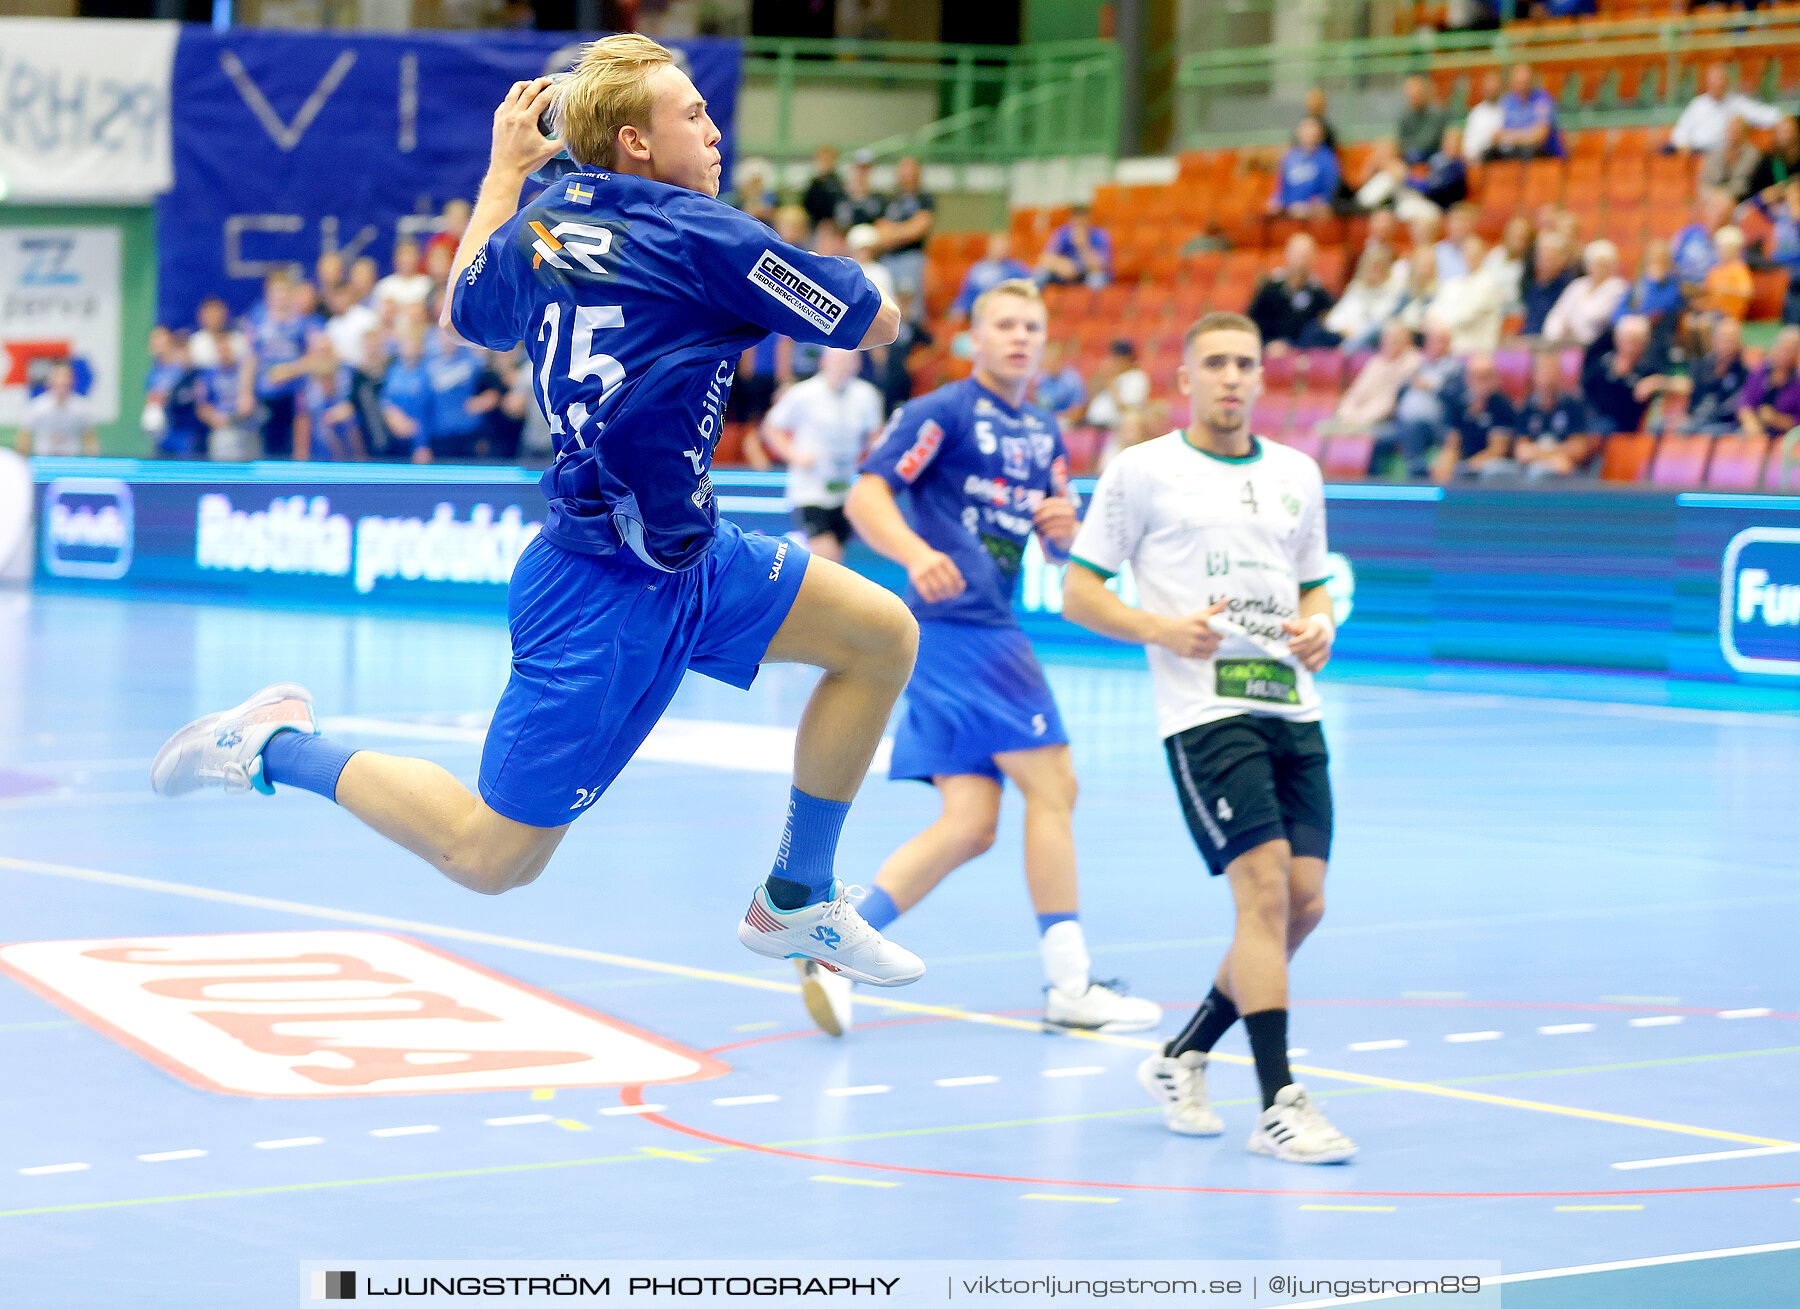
518	148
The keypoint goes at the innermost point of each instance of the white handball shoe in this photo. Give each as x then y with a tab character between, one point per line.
827	996
1179	1086
225	749
1293	1129
1103	1007
831	932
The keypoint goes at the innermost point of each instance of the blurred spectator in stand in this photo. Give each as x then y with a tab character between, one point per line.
406	396
223	400
755	192
1705	124
1527	120
1551	436
995	265
1077	252
331	429
1505	263
1291	301
1369	400
277	342
1308	176
1370	300
171	416
1384	232
1547	276
329	273
1621	374
437	268
820	429
1445	179
1421	415
354	331
1480	424
1420	131
537	444
1424	229
1655	295
1472	15
1728	286
752	394
215	325
408	284
825	191
1784	246
1459	226
452	223
860	203
864	241
1421	289
1482	127
1692	249
1385	178
1715	381
1769	404
1587	307
793	226
1317	110
1778	165
465	392
1119	388
904	227
1732	163
57	421
1058	386
1471	304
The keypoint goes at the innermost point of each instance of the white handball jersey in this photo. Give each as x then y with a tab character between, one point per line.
832	426
1197	528
57	426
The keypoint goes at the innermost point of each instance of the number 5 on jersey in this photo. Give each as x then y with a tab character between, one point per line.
584	361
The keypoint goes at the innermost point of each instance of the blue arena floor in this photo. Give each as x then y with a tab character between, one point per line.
1553	998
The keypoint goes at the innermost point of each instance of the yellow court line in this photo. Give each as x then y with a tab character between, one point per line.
1351	1208
851	1181
1072	1199
385	922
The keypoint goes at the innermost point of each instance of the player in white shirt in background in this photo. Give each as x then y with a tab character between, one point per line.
821	428
1225	535
57	421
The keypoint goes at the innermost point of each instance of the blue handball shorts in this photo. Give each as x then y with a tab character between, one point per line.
975	692
600	644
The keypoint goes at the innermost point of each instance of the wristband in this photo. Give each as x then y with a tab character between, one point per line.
1330	626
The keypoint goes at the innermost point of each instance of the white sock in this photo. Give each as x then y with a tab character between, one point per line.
1065	957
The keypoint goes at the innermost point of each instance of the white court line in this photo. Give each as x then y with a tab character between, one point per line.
1673	1160
289	1142
1298	1052
1655	1020
1595	708
729	1100
163	1156
422	1129
1577	1270
984	1080
1086	1070
1565	1029
857	1090
1361	1046
44	1169
1744	1013
517	1120
1474	1036
621	1110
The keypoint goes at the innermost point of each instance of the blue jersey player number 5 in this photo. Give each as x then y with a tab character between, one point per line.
634	300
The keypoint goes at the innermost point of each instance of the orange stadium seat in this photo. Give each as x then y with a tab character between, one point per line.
1768	290
1625	456
1543	183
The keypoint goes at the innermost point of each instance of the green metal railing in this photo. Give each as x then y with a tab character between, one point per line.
995	104
1204	77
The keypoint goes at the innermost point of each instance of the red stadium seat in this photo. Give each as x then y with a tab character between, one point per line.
1347	456
1737	462
1624	456
1680	460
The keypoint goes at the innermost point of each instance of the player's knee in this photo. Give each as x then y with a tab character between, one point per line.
888	641
972	839
1262	880
1305	911
491	874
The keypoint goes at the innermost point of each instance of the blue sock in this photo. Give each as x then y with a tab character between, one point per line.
309	762
878	908
1047	921
803	865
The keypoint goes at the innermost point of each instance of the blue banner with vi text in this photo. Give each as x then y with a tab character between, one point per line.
289	144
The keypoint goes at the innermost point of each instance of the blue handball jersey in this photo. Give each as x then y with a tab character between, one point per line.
974	470
635	300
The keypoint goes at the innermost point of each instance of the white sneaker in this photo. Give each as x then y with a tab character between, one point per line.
831	932
1103	1007
225	749
1179	1085
827	996
1293	1129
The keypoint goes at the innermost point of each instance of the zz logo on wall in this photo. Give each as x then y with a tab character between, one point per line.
1759	601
